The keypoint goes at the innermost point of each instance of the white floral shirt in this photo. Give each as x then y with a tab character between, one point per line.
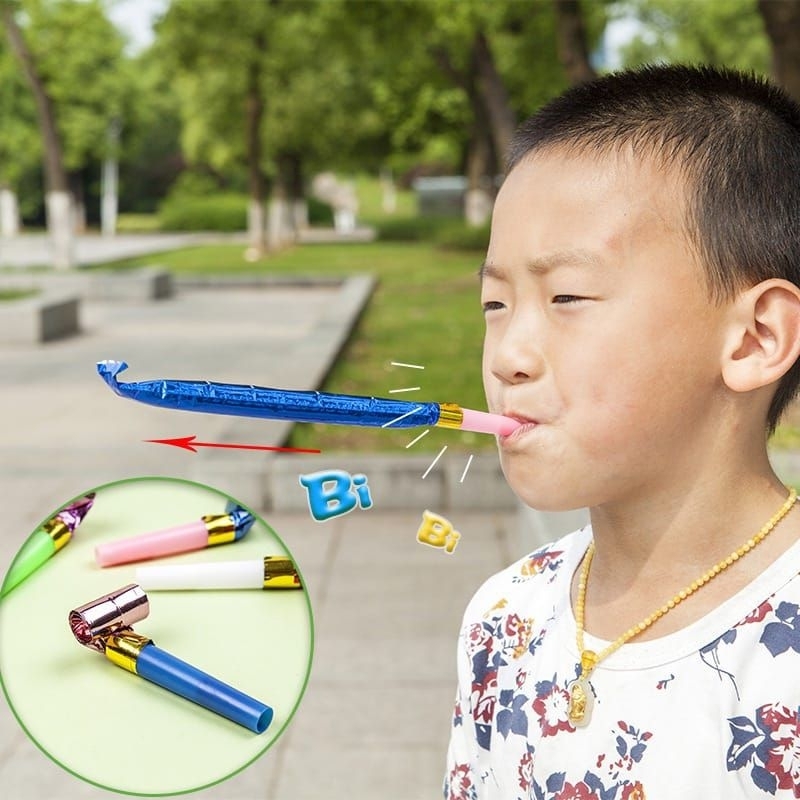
711	711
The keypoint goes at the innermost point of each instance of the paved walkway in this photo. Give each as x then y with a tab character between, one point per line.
375	719
34	249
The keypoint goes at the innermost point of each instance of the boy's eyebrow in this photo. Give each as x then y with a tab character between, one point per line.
543	264
489	271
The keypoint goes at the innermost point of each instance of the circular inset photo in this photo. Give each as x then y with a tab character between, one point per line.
155	636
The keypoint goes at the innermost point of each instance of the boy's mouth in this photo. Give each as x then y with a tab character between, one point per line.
525	424
521	418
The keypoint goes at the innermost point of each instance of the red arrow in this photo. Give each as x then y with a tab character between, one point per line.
189	443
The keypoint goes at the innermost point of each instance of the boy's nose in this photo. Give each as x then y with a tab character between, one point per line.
517	357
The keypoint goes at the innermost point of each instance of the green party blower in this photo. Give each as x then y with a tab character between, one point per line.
46	541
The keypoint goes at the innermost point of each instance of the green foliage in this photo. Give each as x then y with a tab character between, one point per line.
215	212
210	49
407	229
9	295
345	85
317	90
349	84
370	201
786	437
460	236
447	234
192	184
137	223
20	145
319	213
718	32
150	156
78	53
525	49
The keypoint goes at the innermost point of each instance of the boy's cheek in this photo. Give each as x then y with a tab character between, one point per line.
492	390
489	381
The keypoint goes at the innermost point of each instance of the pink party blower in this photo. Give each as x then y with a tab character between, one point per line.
211	529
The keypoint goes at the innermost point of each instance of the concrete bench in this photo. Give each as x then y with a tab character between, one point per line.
146	283
39	319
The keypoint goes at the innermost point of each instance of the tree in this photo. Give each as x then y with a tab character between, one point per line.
716	32
320	113
573	52
335	84
71	57
217	51
79	55
20	145
762	36
782	23
444	72
150	156
56	190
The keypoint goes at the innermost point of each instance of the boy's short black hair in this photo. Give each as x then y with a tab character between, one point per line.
735	140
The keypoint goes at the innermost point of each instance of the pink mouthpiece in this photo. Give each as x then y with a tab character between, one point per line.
483	422
179	539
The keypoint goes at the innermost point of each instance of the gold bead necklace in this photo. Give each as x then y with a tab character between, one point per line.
580	694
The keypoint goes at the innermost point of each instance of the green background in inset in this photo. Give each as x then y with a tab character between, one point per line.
113	728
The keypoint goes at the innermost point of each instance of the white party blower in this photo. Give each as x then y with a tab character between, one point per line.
270	572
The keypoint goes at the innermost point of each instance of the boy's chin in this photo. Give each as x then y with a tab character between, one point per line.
543	495
549	504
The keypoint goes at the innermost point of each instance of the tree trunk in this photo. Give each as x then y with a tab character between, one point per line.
9	213
281	227
388	191
292	168
279	231
573	52
254	115
782	23
480	168
57	197
109	191
494	97
109	198
75	179
60	223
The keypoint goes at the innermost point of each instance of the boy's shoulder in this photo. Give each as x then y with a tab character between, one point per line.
541	574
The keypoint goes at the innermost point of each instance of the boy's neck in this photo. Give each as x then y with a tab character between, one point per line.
651	547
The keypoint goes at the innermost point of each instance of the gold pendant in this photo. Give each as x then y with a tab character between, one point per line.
581	701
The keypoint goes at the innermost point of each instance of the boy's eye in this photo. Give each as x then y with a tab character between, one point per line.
567	298
492	305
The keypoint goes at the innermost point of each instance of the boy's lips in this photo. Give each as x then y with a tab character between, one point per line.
526	424
523	419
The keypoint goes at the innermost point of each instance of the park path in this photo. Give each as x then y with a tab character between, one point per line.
34	249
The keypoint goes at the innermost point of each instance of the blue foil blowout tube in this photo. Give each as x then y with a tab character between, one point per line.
158	666
266	403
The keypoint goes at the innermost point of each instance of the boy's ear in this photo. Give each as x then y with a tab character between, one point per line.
763	338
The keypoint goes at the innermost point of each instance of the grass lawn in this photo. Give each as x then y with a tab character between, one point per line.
424	311
137	223
16	294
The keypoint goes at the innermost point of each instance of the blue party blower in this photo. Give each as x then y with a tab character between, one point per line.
105	624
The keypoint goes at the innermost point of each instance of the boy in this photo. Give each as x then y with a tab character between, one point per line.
643	323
